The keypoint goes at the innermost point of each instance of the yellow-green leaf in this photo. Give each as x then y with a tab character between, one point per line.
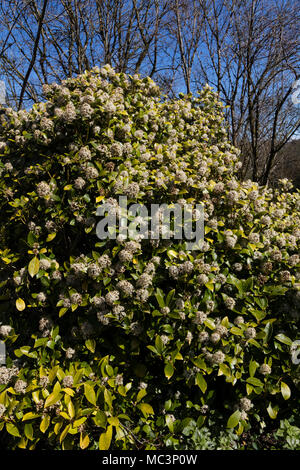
52	398
234	419
30	415
71	409
20	304
169	370
91	345
285	391
90	394
146	409
272	411
51	237
28	431
84	440
57	427
105	438
141	395
210	286
79	421
62	311
107	397
34	266
45	423
64	433
69	391
12	429
201	382
114	421
100	419
172	254
225	370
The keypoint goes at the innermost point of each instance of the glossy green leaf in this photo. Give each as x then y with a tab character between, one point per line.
28	431
285	390
169	370
90	393
146	409
12	429
234	419
20	304
105	438
201	382
272	411
283	339
33	266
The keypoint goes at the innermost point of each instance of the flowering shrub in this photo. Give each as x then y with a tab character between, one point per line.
125	343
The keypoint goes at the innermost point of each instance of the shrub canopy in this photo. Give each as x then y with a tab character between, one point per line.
138	344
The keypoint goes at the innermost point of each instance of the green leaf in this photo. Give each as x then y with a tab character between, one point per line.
170	297
20	304
84	440
34	266
285	390
100	419
236	331
62	311
51	237
141	395
12	429
90	393
30	415
225	370
252	367
284	339
91	345
255	343
28	431
169	370
54	397
210	324
64	433
105	438
159	345
170	422
114	421
172	254
201	382
146	409
160	298
107	397
45	423
210	286
254	381
234	419
79	421
71	409
272	411
268	332
31	238
200	421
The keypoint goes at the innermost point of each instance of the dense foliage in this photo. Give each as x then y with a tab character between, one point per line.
140	344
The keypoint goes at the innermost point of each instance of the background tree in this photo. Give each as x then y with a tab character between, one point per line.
247	50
